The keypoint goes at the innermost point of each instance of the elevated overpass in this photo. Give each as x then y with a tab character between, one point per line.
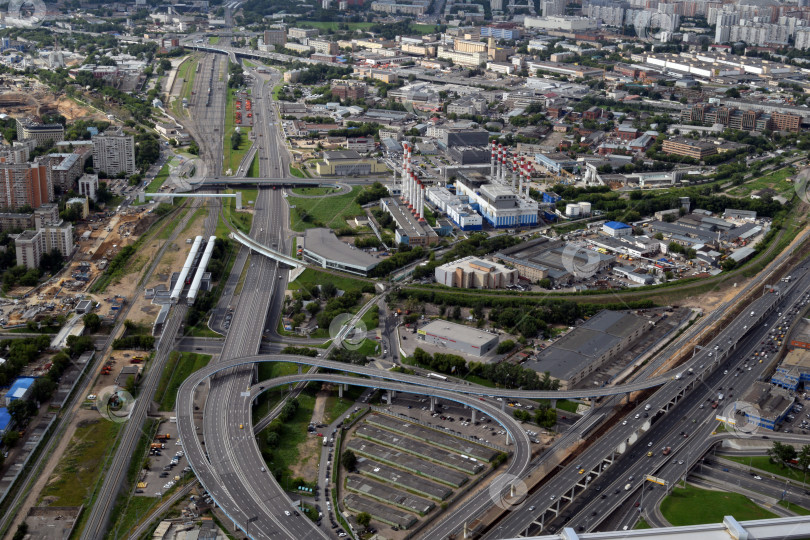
226	181
762	529
253	245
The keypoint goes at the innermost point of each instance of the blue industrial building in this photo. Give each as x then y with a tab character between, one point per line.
5	420
20	389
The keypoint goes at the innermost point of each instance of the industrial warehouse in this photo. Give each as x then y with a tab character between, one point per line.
458	337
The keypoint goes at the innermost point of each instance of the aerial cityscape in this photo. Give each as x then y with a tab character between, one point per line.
405	269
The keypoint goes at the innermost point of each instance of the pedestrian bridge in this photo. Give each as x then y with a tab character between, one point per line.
762	529
253	245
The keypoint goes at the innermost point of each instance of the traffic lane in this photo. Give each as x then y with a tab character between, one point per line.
767	484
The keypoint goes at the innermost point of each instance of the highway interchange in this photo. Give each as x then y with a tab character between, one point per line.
215	405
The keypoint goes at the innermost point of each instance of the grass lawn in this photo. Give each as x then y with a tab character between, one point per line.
371	319
695	506
775	180
296	172
253	171
335	406
248	64
233	157
137	509
292	434
313	190
475	379
793	507
430	217
642	524
763	463
241	220
186	71
310	278
198	213
79	471
269	399
369	347
328	211
155	184
178	368
213	40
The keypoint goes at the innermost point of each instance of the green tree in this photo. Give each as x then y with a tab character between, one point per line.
92	322
781	453
505	346
11	438
272	439
348	460
20	411
363	518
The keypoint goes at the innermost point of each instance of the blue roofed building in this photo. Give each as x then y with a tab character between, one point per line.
617	228
20	389
5	420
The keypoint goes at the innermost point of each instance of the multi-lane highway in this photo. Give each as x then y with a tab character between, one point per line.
619	458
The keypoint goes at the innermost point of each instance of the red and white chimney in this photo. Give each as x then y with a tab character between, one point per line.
422	202
492	161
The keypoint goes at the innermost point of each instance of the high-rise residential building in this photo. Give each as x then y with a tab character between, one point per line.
24	184
47	214
803	38
114	152
725	21
88	185
42	133
552	7
29	246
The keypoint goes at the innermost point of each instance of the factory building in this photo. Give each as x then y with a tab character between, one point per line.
20	389
457	208
588	347
616	229
458	337
474	273
772	405
348	163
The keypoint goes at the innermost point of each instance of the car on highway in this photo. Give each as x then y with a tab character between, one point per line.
757	477
287	512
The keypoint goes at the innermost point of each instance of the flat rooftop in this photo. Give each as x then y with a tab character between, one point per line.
459	332
579	348
325	244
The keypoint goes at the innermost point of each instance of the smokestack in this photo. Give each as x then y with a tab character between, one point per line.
515	172
422	203
526	172
404	171
414	203
500	163
492	162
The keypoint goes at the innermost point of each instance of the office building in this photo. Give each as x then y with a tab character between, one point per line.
588	347
474	273
114	152
323	46
457	337
349	89
689	148
42	133
24	184
301	33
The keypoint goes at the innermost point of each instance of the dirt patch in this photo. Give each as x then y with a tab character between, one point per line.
320	404
307	465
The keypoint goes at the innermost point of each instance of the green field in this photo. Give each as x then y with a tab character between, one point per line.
292	434
642	524
253	171
296	172
310	278
178	368
79	471
763	463
313	190
269	399
232	158
241	220
775	180
695	506
793	507
329	212
213	40
248	64
335	406
155	184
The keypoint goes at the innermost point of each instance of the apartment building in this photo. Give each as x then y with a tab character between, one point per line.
686	147
114	152
31	245
88	186
275	36
301	33
323	46
24	184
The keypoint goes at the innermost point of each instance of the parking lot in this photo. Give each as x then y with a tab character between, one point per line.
167	463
